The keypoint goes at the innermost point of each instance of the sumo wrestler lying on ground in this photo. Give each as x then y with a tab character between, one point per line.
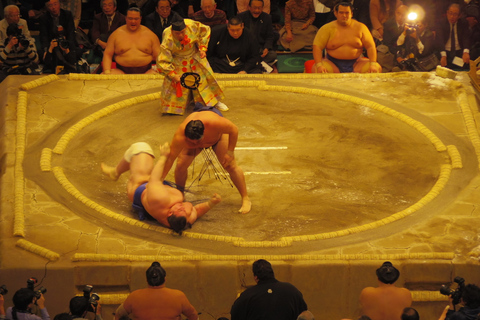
151	195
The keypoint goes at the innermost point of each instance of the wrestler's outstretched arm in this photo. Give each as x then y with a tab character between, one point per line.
156	189
157	171
178	143
204	207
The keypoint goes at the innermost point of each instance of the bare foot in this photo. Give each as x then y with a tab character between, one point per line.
110	172
215	199
246	206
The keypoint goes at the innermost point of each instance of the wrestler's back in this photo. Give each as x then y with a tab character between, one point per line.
212	122
384	303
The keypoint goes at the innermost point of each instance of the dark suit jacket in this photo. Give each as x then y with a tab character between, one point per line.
361	12
221	43
153	22
264	32
463	34
48	30
100	25
410	45
391	32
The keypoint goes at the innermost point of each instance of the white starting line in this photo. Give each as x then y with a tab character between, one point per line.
248	173
261	148
267	172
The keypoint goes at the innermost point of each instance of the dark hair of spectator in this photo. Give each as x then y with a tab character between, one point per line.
194	130
22	298
235	21
471	296
410	314
63	316
78	306
169	2
262	269
364	317
250	2
114	3
387	273
156	275
452	5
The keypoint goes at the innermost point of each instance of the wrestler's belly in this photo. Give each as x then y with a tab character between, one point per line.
133	58
345	52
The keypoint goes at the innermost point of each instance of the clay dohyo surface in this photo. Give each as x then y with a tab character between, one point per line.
313	165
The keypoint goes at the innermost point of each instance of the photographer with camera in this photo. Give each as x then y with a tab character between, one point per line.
12	16
57	35
23	301
80	306
17	54
416	48
59	58
467	295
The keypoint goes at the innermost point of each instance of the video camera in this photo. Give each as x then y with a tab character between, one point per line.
455	294
31	285
91	297
60	38
3	290
14	30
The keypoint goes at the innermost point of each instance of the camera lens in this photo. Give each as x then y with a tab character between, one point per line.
24	43
64	44
3	290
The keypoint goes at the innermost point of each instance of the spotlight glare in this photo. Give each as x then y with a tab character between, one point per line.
412	16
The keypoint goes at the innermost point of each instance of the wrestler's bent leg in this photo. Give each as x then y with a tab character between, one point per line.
184	160
124	165
363	66
327	64
236	174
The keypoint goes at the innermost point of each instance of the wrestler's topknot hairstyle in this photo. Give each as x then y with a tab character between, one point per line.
345	3
194	130
387	273
156	275
178	224
134	8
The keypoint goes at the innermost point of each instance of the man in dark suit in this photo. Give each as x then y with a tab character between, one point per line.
105	23
393	28
417	48
269	298
162	18
57	37
454	30
260	24
233	49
